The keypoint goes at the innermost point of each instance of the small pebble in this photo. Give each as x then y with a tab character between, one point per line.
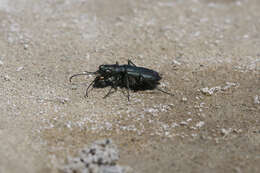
184	99
176	62
200	124
6	78
256	99
207	91
183	123
25	46
225	132
19	69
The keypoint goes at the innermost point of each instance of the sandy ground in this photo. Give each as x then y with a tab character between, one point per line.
194	44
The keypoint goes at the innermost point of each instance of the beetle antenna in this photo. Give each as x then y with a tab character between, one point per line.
164	91
80	74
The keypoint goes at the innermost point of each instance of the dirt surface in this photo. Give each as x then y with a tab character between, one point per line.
193	44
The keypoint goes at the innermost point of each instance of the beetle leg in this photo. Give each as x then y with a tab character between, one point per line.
96	79
141	78
113	86
164	91
131	63
109	92
127	85
160	89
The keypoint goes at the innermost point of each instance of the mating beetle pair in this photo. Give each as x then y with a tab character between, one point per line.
127	76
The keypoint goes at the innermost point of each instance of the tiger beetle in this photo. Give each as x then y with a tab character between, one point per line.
127	76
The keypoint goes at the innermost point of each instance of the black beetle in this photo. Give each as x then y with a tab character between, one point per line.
128	75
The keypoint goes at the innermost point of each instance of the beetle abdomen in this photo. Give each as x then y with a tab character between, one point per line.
141	72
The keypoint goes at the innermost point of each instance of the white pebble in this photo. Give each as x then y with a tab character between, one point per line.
194	134
238	3
200	124
184	99
26	46
225	131
167	133
228	85
174	125
19	69
256	99
188	120
6	78
196	34
176	62
183	123
207	91
210	91
246	36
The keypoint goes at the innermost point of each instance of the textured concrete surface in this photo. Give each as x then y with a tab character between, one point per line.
206	50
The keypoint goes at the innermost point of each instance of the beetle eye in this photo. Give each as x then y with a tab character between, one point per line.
101	66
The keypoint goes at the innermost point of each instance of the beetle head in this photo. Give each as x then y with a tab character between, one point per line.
105	69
